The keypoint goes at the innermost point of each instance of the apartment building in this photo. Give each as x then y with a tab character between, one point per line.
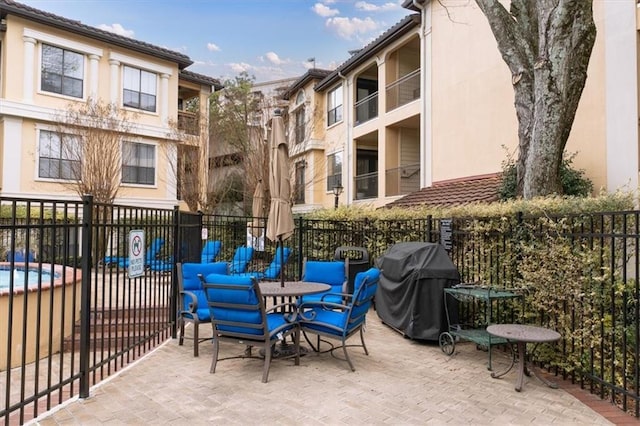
306	131
50	64
427	109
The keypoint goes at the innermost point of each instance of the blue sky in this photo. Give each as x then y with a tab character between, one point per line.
270	39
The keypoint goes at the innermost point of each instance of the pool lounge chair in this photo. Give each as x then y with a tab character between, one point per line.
272	272
21	256
241	259
150	256
210	251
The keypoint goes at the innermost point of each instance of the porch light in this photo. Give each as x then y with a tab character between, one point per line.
337	190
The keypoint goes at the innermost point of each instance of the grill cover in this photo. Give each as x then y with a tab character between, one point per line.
410	294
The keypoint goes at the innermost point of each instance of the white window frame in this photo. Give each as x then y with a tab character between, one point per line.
155	164
73	45
41	132
140	88
333	178
335	108
82	78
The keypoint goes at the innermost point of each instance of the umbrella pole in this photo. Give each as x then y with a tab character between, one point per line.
281	261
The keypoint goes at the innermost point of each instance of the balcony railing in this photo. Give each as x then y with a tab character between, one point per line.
367	108
402	180
188	122
366	186
403	90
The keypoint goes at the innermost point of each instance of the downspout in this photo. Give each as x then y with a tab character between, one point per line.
346	163
426	143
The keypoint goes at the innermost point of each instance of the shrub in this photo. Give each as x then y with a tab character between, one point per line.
574	182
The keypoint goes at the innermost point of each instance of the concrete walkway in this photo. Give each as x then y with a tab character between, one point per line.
401	382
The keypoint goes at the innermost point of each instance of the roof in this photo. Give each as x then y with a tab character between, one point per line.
407	24
411	4
200	79
9	7
483	188
310	75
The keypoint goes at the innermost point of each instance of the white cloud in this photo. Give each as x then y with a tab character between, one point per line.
274	58
370	7
324	11
348	27
117	29
239	67
212	47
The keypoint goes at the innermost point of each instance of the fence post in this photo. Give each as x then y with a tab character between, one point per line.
85	293
429	227
300	240
177	257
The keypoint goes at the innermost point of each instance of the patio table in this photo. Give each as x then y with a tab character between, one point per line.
520	335
290	289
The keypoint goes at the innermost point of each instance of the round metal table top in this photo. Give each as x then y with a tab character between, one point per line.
523	333
291	288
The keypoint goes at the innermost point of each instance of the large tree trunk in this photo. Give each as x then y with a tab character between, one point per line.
547	45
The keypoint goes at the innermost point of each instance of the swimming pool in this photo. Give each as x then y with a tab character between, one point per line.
33	276
45	313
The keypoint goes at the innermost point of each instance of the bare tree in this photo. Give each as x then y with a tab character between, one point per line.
89	138
189	165
546	45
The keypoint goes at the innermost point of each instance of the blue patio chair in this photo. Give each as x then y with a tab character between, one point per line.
151	254
332	272
238	315
192	305
272	272
210	251
340	321
241	259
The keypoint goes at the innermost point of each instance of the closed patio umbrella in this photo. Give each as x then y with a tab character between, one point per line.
280	224
257	210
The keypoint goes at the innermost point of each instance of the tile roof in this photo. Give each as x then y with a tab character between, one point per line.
483	188
310	75
407	24
200	79
77	27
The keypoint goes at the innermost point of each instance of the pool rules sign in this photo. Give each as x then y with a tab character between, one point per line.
136	254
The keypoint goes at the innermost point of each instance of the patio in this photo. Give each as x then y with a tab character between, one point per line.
401	382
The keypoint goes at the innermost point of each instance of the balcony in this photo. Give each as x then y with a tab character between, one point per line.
402	180
366	186
404	90
188	122
367	108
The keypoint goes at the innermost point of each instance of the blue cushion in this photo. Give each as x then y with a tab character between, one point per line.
327	272
241	259
210	250
191	282
275	322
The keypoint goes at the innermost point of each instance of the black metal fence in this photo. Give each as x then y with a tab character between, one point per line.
73	324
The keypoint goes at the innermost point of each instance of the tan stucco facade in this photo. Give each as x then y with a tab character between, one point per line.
463	122
26	109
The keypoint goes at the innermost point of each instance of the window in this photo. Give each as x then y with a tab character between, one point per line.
300	125
334	106
62	71
299	183
138	163
334	171
58	156
139	89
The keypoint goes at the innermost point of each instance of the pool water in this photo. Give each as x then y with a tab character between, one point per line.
32	276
